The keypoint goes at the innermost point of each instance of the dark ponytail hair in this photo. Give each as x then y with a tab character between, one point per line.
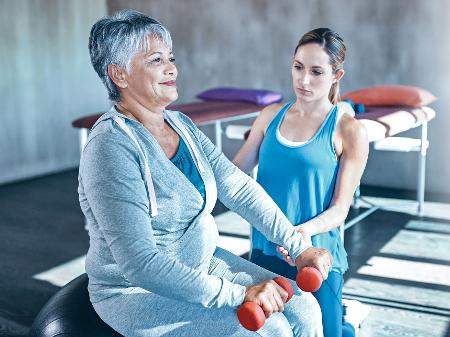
333	44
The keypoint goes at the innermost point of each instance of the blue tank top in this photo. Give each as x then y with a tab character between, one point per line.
301	180
183	160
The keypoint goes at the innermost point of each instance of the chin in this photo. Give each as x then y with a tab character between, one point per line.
173	97
305	99
169	99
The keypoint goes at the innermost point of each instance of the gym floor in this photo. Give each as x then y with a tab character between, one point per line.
399	263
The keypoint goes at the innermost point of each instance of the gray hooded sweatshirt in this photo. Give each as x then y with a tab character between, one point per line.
167	254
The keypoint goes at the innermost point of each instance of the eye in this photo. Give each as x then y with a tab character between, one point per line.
298	67
317	72
155	60
172	59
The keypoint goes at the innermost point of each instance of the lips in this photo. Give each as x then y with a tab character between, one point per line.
169	83
304	91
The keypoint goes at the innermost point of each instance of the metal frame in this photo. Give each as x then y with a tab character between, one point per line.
218	130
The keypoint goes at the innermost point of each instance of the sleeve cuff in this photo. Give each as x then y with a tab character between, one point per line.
231	294
298	246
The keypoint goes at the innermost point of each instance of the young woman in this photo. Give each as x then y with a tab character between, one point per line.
310	158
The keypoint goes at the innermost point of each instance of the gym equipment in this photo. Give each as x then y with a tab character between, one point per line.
251	315
309	279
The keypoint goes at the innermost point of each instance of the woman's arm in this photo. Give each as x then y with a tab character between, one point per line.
353	159
240	193
113	185
247	157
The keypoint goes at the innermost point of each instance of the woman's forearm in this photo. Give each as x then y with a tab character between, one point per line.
330	219
246	159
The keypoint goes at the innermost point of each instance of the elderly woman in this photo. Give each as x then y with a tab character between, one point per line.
149	179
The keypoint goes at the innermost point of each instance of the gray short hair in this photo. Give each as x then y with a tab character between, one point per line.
117	38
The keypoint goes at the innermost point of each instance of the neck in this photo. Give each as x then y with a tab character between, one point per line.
312	108
150	117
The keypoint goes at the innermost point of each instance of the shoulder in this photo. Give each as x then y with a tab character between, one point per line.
266	115
102	133
353	137
105	132
351	128
271	110
107	142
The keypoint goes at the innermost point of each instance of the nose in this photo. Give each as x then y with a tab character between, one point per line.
171	69
305	78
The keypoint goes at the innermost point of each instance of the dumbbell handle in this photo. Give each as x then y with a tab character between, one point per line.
251	315
309	279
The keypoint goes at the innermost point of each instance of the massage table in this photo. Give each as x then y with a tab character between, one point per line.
382	124
201	113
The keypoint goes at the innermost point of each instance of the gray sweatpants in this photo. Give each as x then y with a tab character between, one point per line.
139	313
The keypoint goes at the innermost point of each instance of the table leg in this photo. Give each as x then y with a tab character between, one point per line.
218	134
421	171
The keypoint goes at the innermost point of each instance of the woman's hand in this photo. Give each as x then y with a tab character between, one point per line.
305	232
268	295
283	251
318	258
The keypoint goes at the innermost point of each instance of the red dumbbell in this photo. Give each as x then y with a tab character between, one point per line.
251	315
309	279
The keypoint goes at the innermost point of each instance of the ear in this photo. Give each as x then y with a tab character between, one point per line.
117	75
339	74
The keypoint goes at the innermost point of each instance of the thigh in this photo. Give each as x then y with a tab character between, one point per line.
140	313
329	297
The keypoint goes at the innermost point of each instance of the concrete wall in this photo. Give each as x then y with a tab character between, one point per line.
47	81
249	43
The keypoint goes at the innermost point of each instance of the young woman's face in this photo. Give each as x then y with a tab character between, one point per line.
312	74
152	75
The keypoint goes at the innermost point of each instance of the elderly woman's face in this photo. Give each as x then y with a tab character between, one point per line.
151	80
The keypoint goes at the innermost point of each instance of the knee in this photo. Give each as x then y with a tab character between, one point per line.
348	330
307	316
276	325
314	323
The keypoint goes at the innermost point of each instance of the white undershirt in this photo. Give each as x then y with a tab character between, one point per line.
288	142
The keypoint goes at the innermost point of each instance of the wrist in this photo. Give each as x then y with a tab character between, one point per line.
306	229
302	255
